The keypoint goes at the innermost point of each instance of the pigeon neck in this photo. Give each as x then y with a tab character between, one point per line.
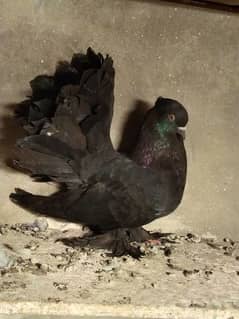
165	127
152	142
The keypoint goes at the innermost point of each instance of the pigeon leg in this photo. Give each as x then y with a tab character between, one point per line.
141	235
116	241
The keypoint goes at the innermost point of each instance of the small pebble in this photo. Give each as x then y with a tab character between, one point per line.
70	250
33	260
3	229
173	238
44	267
228	250
59	257
108	268
154	250
227	240
142	249
40	224
193	238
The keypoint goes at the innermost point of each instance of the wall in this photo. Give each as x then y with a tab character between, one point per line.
159	49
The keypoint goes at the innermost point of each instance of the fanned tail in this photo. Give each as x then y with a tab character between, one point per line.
67	117
76	89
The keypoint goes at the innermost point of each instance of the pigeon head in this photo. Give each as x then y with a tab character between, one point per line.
173	110
167	116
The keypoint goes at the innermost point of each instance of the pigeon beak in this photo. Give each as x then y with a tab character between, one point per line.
181	131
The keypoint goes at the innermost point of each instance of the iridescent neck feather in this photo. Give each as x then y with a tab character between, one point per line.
164	127
153	142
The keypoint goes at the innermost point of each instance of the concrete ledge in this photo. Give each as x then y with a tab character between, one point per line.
74	309
185	277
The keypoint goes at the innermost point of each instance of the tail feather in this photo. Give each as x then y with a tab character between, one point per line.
43	86
48	156
84	74
44	167
100	90
36	203
48	145
69	132
82	62
56	205
68	118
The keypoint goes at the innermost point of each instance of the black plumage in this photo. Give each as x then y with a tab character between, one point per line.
68	119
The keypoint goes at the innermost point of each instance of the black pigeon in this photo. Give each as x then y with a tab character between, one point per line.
69	143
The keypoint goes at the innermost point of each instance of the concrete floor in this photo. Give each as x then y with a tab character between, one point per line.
181	52
185	277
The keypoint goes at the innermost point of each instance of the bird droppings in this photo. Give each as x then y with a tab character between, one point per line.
32	245
182	270
52	299
167	251
11	285
60	286
6	260
187	273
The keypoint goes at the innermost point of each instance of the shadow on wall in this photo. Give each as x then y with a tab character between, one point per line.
9	133
132	126
224	5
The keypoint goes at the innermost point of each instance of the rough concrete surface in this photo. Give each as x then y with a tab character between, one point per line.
181	52
185	276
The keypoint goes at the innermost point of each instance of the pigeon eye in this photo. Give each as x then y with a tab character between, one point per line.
171	117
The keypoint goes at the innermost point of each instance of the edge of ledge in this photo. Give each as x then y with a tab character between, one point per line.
130	311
